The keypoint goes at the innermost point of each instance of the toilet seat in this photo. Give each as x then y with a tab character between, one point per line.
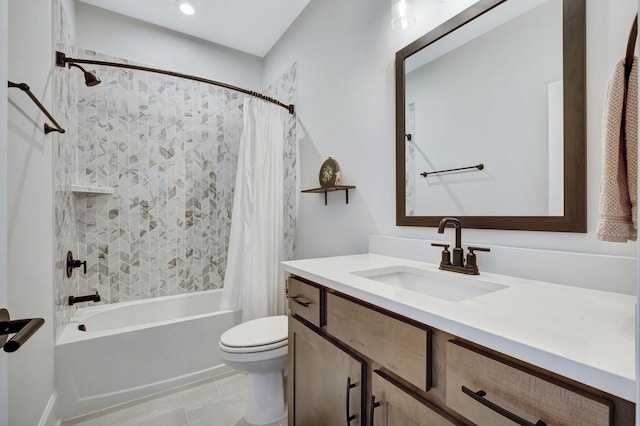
259	335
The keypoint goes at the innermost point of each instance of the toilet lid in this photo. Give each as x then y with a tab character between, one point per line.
258	332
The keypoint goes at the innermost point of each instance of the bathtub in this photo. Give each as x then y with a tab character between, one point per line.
134	349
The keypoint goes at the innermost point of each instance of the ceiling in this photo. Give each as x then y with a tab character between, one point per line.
251	26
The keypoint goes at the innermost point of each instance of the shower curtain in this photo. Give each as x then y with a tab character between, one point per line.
253	280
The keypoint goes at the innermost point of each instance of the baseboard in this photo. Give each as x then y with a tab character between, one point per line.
50	415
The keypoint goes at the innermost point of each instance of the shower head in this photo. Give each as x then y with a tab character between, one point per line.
90	78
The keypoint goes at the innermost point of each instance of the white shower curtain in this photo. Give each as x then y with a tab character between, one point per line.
253	280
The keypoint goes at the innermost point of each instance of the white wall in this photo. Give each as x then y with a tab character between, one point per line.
30	209
4	30
117	35
346	106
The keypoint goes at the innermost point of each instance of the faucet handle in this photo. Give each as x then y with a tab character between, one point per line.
472	249
446	254
472	265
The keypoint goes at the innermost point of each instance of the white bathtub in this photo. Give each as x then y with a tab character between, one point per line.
139	348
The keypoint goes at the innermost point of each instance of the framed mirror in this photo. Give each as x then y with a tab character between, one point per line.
490	119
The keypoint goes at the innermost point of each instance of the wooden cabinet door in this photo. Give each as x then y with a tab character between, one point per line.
391	406
325	383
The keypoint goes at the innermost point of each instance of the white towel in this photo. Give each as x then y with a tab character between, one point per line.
619	183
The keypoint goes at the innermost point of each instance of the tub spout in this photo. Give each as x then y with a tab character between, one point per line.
89	298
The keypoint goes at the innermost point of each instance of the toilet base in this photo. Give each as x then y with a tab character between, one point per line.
265	399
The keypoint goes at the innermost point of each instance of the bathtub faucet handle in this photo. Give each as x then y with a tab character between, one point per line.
74	263
78	264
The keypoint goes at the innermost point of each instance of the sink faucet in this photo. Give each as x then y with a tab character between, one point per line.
457	251
458	264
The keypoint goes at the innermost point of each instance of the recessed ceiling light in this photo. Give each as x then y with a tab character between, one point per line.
187	8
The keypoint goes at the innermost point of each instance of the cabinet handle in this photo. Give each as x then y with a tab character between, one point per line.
374	405
479	396
300	301
350	386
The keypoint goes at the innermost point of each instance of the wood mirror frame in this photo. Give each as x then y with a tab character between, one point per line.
574	93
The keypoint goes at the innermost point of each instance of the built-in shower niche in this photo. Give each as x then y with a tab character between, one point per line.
91	190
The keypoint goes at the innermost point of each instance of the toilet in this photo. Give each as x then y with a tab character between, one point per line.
259	348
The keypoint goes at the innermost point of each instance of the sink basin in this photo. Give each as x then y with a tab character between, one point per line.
444	285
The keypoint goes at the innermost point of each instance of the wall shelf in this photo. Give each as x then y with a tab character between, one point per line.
91	189
344	188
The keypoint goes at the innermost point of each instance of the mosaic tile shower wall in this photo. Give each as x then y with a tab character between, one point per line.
169	148
64	154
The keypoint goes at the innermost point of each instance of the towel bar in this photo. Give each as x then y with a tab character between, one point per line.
23	329
47	128
477	166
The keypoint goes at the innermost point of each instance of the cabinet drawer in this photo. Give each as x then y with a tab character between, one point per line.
480	385
392	406
397	346
304	301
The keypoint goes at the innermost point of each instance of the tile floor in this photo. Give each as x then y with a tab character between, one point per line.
215	402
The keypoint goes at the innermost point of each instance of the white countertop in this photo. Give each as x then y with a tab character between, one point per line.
586	335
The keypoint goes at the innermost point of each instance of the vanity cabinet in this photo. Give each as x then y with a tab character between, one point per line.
325	384
351	359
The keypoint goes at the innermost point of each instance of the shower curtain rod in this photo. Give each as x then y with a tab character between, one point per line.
62	60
